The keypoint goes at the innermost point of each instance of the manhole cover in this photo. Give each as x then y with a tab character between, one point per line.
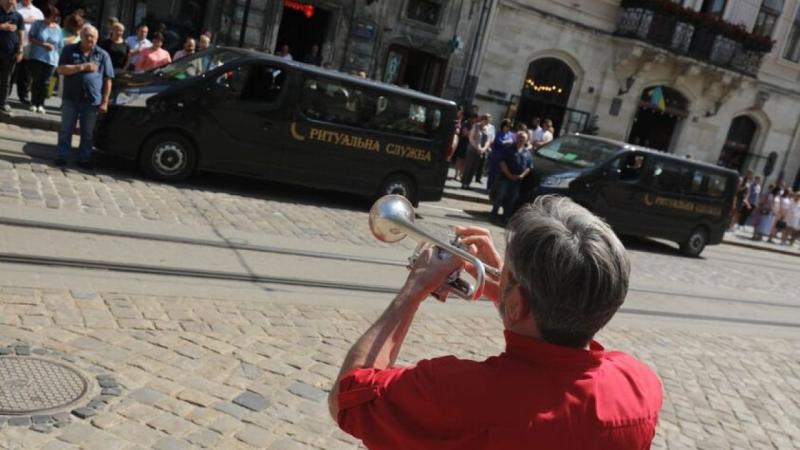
32	385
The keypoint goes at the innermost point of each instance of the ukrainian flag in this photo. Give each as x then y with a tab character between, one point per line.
657	98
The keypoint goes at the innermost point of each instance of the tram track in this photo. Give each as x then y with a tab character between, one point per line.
231	244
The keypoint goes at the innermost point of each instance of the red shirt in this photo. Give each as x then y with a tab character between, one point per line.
534	395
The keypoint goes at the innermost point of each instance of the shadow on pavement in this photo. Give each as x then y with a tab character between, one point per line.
128	171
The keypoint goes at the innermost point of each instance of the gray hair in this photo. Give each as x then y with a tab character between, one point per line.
89	28
572	267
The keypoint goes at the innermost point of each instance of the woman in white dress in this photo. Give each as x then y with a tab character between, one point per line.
792	230
767	208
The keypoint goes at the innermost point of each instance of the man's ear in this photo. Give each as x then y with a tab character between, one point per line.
517	308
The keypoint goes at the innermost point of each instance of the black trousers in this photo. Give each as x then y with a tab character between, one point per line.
41	74
22	76
7	63
479	169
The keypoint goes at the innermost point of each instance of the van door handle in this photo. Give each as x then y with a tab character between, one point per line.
267	125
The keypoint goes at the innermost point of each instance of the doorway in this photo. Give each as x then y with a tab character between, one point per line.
738	143
546	93
302	27
414	69
661	111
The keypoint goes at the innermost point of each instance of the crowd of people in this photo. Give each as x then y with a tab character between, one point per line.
32	41
505	156
773	210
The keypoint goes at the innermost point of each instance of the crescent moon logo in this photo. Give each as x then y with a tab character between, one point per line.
295	133
647	200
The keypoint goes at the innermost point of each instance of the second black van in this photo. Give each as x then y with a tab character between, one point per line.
638	191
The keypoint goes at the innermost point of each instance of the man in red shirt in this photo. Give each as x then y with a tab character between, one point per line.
564	276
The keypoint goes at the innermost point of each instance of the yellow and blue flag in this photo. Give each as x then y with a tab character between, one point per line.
657	98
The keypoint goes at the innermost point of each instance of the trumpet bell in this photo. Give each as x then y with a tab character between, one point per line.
387	216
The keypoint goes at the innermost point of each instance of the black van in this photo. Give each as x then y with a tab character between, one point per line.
243	112
638	191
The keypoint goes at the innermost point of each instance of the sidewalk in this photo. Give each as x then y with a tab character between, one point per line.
20	116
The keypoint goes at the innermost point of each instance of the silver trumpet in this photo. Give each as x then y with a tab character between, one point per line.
392	219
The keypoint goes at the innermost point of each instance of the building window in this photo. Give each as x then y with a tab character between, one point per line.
426	11
713	7
792	51
767	17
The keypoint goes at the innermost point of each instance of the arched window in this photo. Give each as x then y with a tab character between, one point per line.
545	93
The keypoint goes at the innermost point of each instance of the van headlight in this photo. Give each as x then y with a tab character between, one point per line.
133	99
557	181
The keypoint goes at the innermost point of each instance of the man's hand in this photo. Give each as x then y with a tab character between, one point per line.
48	46
430	271
479	242
104	107
8	27
89	67
18	57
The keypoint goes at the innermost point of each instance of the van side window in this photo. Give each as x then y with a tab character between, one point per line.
669	177
632	168
346	104
704	183
332	101
264	83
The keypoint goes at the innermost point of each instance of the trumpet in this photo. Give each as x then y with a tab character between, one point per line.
392	218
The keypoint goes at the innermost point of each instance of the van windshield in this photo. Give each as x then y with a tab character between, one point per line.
578	152
197	64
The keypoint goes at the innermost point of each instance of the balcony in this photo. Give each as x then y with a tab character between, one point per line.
695	36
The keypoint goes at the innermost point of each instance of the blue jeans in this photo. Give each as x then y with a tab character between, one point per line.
507	196
71	113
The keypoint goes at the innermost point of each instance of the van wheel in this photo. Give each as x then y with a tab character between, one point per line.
399	184
696	243
168	157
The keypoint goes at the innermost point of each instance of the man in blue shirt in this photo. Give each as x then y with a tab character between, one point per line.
12	29
516	164
87	72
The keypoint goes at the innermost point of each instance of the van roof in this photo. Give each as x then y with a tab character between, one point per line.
660	154
255	54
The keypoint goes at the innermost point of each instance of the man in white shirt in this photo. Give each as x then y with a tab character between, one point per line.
284	53
137	43
30	14
547	134
536	131
491	132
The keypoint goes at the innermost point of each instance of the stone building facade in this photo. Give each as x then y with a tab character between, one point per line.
427	45
670	75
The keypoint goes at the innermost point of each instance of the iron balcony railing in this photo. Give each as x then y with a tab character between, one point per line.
684	38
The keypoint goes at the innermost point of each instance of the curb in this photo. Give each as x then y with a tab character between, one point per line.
466	197
757	247
32	122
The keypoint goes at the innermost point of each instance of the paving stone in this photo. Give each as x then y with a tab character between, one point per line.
255	436
196	398
107	383
19	421
231	409
42	427
84	412
308	392
41	419
251	401
204	438
111	392
171	443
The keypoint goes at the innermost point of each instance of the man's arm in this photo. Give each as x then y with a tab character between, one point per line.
72	69
106	94
20	39
379	346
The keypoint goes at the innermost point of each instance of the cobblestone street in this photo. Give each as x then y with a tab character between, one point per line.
183	361
211	364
